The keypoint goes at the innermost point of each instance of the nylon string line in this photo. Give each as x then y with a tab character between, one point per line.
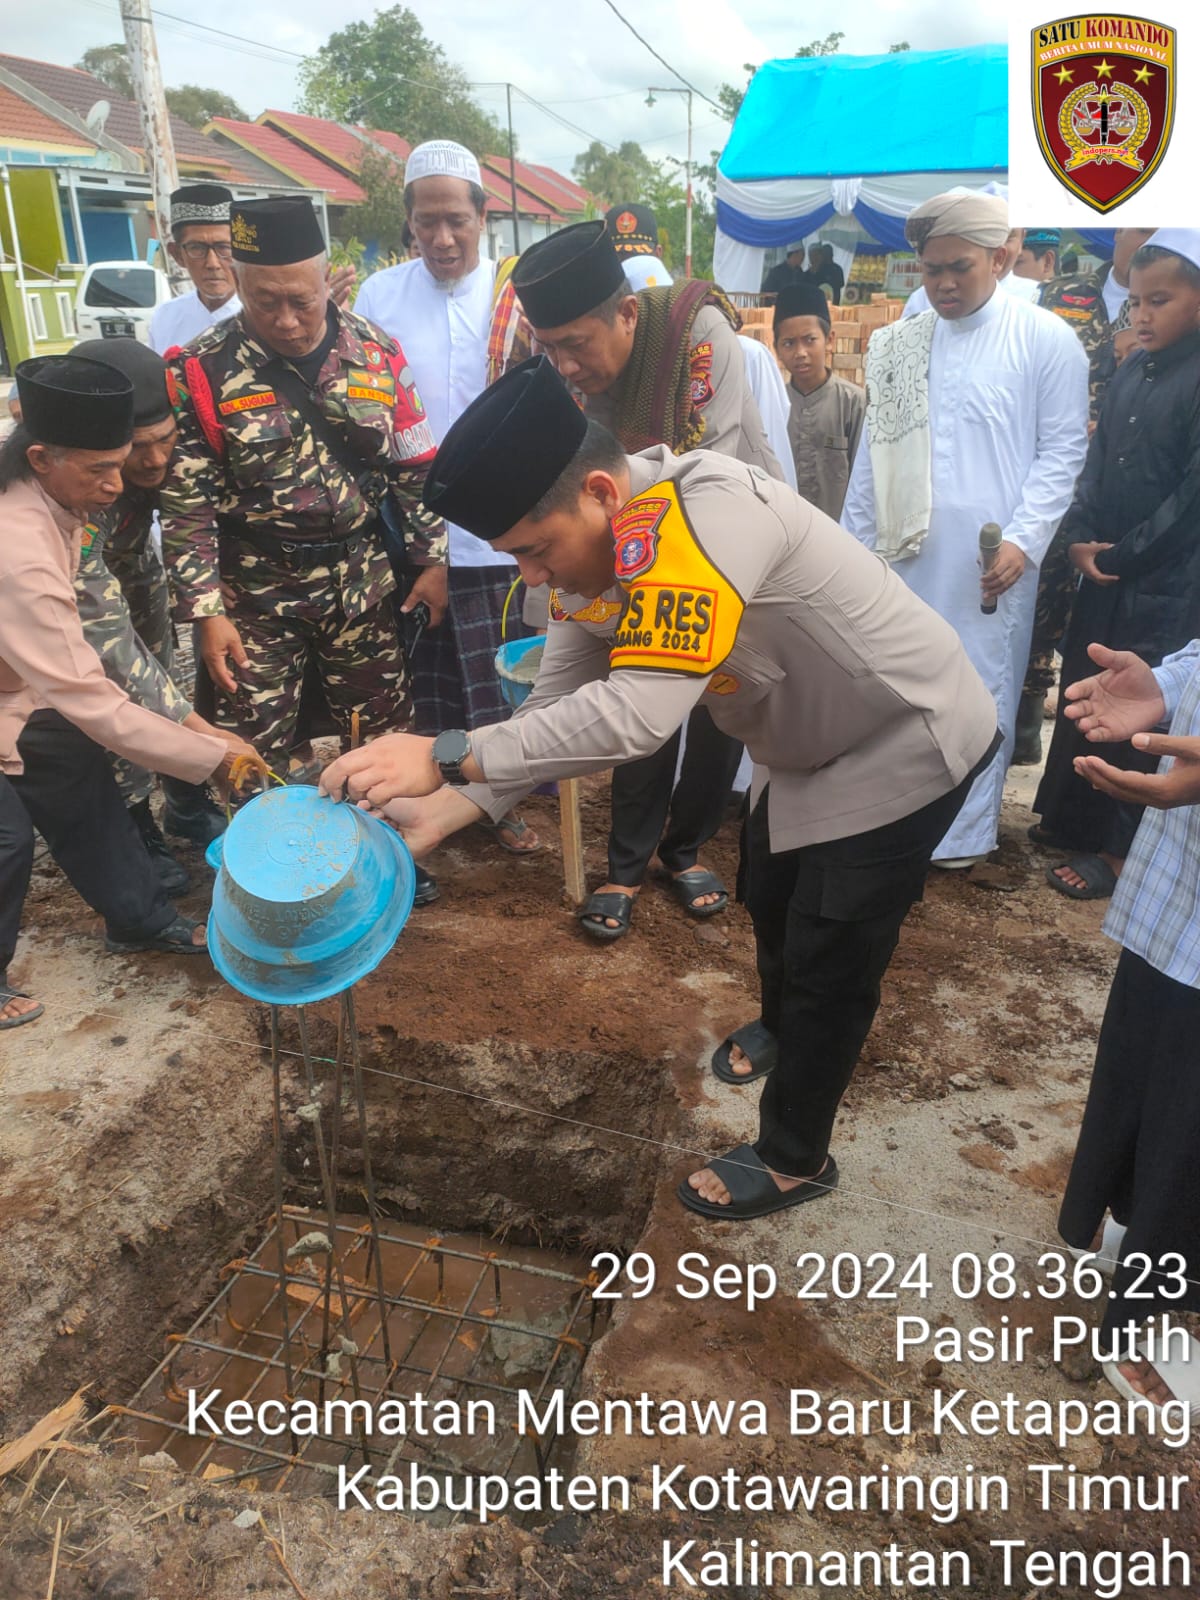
657	1144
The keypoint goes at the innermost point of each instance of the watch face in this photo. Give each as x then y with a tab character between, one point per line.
451	748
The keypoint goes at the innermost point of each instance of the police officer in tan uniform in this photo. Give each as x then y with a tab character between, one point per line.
687	578
664	366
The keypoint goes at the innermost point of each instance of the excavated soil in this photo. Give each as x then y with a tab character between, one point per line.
527	1083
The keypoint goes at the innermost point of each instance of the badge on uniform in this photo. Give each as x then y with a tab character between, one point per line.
1103	103
373	354
635	536
701	375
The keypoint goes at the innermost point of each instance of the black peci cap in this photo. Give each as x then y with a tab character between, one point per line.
74	403
146	370
509	447
633	230
567	275
275	233
199	202
801	300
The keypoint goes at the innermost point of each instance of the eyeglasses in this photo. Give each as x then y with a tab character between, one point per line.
196	251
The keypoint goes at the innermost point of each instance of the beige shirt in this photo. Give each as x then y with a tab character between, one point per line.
733	425
823	431
45	662
855	700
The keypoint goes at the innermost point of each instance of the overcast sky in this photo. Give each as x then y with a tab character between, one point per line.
575	57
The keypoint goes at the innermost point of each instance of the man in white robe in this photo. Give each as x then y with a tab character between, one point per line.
976	413
200	244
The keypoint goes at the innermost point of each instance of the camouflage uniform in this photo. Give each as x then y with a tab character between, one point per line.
129	659
131	557
257	502
1079	299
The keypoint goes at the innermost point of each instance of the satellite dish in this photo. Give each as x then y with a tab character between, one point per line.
97	117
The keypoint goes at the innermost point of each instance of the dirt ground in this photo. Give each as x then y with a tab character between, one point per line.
527	1083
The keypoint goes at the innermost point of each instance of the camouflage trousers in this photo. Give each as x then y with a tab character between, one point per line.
147	596
359	661
1057	582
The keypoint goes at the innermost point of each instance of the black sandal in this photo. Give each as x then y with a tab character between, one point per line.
690	885
757	1044
7	994
176	938
613	904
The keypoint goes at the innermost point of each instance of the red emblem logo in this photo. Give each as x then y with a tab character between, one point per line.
373	354
635	537
1103	103
627	222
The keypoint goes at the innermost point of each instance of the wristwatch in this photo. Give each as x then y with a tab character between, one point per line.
450	750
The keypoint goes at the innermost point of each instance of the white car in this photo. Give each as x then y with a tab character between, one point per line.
116	299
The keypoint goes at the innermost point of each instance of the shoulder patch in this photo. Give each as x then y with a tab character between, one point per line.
700	372
635	535
683	617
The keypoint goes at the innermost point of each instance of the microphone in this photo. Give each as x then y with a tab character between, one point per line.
991	536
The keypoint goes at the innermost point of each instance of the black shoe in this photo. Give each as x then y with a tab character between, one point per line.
1027	749
427	889
190	812
171	874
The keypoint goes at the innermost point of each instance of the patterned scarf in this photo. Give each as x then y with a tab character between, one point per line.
898	433
653	401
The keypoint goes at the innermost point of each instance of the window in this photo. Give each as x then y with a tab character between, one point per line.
121	287
37	316
66	313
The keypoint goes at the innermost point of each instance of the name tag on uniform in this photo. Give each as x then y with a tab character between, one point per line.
358	391
248	402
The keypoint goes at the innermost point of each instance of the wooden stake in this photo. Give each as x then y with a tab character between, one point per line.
572	840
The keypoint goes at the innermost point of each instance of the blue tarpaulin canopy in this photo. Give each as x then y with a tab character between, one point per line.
868	137
855	116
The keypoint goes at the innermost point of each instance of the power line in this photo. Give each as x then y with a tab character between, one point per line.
662	59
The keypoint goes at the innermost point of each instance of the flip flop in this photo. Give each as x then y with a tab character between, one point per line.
617	906
690	885
1099	878
7	994
753	1191
1180	1374
755	1042
176	938
518	827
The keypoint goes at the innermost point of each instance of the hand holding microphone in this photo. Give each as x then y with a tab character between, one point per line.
1002	563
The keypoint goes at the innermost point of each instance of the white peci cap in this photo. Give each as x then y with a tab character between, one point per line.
442	158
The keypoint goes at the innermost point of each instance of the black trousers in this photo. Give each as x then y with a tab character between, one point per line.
67	791
1136	1155
646	800
827	918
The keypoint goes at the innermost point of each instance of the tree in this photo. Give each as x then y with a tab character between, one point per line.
390	73
613	176
381	216
199	106
110	64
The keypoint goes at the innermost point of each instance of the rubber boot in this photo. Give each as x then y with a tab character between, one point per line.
171	874
1027	749
191	813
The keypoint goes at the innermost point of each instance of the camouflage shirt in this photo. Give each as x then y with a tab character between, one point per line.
1079	299
247	456
108	627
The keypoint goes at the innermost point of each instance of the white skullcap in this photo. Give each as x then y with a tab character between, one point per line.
442	158
1183	242
645	272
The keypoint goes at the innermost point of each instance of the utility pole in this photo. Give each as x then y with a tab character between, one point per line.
512	173
142	48
687	242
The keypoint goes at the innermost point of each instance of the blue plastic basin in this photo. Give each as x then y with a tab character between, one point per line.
506	658
310	896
